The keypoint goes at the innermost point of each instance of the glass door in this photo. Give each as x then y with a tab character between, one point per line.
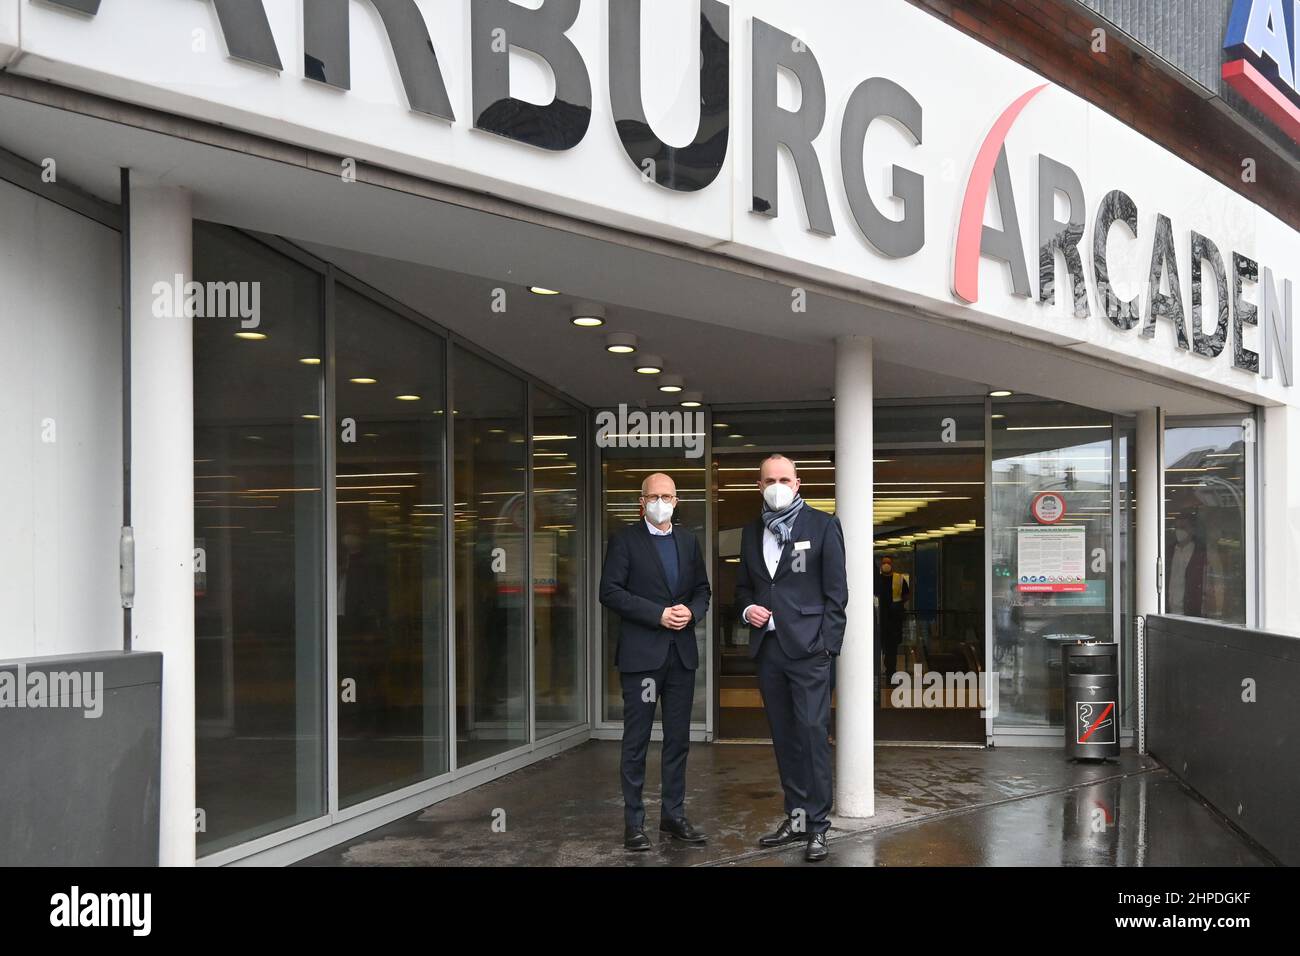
1052	545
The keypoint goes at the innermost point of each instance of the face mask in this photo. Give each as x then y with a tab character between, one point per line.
778	496
1182	536
659	511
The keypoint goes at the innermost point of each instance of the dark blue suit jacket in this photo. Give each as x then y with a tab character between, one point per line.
634	586
808	605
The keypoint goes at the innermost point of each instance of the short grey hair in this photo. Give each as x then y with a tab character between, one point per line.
777	456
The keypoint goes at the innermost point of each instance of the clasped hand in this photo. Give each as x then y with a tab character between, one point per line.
676	617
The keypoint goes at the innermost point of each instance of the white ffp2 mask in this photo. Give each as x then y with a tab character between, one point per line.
659	511
778	496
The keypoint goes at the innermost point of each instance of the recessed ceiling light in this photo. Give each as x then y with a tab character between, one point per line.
736	436
408	398
649	365
998	415
587	315
309	361
1001	393
363	381
312	418
721	425
620	343
691	399
671	383
251	336
538	290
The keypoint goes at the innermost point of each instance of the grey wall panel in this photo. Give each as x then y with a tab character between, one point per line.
78	790
1243	757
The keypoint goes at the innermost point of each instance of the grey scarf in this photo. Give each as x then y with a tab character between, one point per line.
781	522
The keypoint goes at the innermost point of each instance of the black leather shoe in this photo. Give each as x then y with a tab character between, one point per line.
634	838
682	830
784	835
816	851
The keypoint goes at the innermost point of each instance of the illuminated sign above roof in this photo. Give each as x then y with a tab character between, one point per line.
1261	41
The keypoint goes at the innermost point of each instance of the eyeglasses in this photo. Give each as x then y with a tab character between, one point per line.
666	499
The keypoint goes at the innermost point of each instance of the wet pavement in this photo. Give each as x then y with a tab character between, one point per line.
934	807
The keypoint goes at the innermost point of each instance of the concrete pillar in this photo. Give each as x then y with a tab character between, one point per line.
855	737
1148	548
162	491
1278	564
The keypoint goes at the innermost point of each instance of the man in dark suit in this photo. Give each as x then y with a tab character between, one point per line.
793	587
655	580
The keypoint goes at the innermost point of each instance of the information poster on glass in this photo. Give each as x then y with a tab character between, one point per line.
1051	560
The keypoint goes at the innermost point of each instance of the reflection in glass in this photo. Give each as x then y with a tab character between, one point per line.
1065	449
258	520
1205	521
392	643
559	651
491	534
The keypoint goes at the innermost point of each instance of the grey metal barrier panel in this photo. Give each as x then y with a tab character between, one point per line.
1223	713
79	759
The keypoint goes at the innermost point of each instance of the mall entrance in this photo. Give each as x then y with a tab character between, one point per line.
929	519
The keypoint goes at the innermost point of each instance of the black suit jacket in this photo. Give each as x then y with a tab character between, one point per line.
634	585
808	605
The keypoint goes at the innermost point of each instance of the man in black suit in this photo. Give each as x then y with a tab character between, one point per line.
793	587
655	580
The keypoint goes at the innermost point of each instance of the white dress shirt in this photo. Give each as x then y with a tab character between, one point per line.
656	531
771	557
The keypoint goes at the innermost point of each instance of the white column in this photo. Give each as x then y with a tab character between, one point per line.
1148	546
1278	564
162	492
855	794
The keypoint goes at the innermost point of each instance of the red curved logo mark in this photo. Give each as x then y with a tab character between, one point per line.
970	230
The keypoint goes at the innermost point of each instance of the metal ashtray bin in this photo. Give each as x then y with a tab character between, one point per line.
1091	673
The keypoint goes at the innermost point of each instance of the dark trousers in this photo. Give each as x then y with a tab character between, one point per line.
674	688
797	698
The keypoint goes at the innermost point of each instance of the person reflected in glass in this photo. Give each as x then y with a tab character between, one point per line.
1195	578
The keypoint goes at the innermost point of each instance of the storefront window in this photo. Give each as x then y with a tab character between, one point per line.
559	647
1205	520
1052	543
491	543
391	609
260	542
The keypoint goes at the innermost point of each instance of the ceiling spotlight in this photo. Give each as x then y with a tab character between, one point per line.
408	398
251	336
691	399
1001	393
649	365
620	343
538	290
309	361
671	383
585	315
363	381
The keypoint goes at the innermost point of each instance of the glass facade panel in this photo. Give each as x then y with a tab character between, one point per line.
1205	521
1051	572
259	599
559	614
491	548
391	522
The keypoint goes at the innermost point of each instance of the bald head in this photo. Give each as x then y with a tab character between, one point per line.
658	484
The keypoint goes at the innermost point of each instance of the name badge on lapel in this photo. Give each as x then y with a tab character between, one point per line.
802	545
